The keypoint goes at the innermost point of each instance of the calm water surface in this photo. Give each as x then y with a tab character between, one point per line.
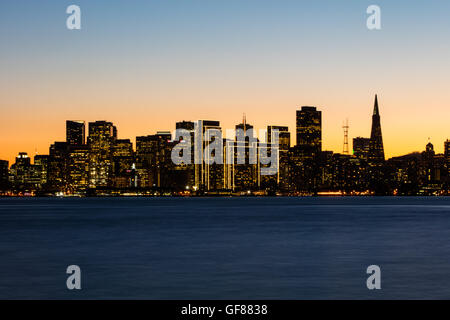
225	248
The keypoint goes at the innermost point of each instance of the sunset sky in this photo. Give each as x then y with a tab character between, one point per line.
146	64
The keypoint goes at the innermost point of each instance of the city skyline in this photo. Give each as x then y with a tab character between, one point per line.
147	64
202	158
292	130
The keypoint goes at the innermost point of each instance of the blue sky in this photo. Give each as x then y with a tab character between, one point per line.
218	59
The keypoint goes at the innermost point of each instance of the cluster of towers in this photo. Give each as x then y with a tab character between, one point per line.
99	163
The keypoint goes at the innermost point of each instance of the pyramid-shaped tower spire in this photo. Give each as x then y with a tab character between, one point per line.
376	148
376	111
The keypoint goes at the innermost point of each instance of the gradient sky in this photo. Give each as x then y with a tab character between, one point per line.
146	64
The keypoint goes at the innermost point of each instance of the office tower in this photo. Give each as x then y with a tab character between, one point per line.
75	132
284	136
376	149
284	143
430	171
4	174
153	160
405	173
361	147
186	171
21	169
244	168
41	164
101	138
245	127
447	161
309	130
123	161
208	176
57	167
26	176
78	169
186	125
447	152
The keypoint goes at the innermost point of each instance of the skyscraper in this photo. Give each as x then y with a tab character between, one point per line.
75	132
57	178
376	149
100	140
447	157
361	147
41	164
154	164
207	176
123	160
243	171
309	130
284	143
447	151
77	168
4	174
186	172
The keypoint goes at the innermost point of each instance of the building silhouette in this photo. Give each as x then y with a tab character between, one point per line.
309	130
75	132
4	175
361	147
107	165
376	148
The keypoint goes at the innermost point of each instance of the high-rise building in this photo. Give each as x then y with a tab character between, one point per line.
75	132
186	171
26	176
207	176
41	165
153	160
284	136
447	152
57	176
78	168
242	173
361	147
102	135
123	161
447	160
21	169
284	143
4	174
376	149
309	130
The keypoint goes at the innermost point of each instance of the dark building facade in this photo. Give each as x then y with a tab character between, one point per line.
207	176
361	147
123	164
447	156
75	132
309	130
4	174
376	148
153	161
244	173
284	144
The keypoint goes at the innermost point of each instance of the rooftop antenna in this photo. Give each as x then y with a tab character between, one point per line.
345	126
